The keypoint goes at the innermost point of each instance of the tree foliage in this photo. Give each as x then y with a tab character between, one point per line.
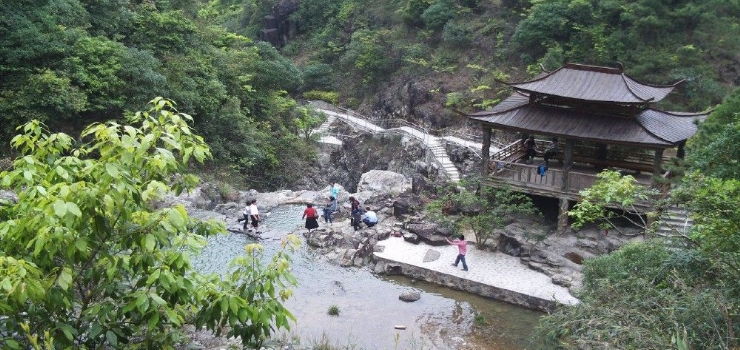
613	196
88	260
645	296
604	32
69	63
480	211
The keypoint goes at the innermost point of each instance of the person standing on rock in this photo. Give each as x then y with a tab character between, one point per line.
334	192
331	203
246	216
254	214
462	248
311	216
355	213
354	204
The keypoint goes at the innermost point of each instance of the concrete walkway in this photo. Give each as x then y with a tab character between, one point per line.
431	142
491	274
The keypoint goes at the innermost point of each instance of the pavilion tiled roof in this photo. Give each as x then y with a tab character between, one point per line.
593	83
649	128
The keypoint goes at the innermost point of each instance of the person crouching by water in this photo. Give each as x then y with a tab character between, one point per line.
369	218
311	216
331	203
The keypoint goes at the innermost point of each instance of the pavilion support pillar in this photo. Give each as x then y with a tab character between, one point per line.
681	153
565	188
485	151
657	166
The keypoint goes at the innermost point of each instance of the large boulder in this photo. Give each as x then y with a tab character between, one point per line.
406	205
431	233
382	181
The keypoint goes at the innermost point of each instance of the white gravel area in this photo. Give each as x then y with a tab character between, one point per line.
490	268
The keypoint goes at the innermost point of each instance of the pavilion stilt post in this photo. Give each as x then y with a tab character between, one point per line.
486	150
657	166
564	202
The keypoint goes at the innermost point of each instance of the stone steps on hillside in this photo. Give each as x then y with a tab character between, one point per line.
674	221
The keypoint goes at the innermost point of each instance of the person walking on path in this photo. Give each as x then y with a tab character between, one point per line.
311	216
462	248
254	214
334	192
329	209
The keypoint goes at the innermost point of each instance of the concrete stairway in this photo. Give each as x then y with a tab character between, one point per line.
674	221
431	142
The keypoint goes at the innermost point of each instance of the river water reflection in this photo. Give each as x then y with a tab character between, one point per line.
369	305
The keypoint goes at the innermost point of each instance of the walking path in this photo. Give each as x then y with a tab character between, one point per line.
490	274
431	142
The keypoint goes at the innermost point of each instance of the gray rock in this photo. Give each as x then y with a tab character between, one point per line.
431	255
410	296
431	233
411	238
383	181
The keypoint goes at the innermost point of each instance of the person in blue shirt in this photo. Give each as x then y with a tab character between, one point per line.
334	192
369	218
331	202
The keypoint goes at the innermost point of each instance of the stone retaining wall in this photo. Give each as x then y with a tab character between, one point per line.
512	297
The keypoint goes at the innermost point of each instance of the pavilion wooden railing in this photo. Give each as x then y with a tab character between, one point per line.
525	176
509	152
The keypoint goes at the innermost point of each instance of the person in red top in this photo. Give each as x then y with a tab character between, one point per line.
462	248
311	216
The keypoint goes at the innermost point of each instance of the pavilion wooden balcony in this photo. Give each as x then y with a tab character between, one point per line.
523	177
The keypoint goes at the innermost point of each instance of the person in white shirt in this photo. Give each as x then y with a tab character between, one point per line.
254	214
369	218
246	215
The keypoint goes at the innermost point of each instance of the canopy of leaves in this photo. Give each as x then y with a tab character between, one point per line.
481	209
660	42
88	261
69	63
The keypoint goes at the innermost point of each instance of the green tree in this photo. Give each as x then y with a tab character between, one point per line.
368	54
612	197
87	259
436	16
725	114
479	211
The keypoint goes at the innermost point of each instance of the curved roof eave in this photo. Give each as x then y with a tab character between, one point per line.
650	132
583	81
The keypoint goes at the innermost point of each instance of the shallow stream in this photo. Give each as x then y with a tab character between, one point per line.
369	308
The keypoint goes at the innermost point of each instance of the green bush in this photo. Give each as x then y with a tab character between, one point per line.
326	96
437	15
456	36
644	296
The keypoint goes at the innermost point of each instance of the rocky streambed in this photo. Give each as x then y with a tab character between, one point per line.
336	268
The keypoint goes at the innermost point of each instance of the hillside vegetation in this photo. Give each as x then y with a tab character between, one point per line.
434	53
97	267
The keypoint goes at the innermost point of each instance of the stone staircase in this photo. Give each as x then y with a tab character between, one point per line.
440	154
674	221
432	143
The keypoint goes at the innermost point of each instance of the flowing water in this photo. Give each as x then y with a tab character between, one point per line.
369	308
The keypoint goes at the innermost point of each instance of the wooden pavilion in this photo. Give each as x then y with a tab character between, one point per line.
601	118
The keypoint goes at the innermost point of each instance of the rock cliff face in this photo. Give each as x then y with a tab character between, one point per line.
361	153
